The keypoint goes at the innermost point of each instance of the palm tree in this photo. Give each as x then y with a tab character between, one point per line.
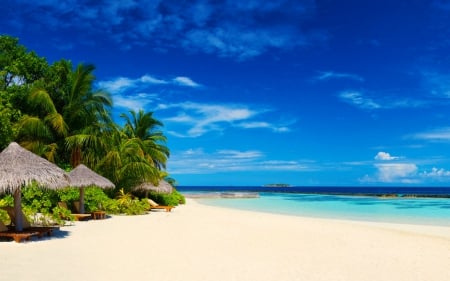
66	118
143	126
125	163
86	112
40	129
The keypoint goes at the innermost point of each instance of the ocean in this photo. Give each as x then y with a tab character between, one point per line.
408	205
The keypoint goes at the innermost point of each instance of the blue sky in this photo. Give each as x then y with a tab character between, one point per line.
257	92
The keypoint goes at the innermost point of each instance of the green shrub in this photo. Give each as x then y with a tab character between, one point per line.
6	201
37	199
94	198
68	195
61	214
130	205
173	199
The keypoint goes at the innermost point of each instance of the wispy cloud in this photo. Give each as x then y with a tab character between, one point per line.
358	99
265	125
200	119
225	28
185	81
139	93
136	102
436	135
328	75
121	84
198	161
363	101
436	83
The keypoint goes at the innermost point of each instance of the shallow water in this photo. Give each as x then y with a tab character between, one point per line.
428	211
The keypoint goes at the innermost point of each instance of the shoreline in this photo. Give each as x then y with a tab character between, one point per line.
254	194
428	229
200	242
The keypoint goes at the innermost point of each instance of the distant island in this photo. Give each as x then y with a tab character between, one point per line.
277	185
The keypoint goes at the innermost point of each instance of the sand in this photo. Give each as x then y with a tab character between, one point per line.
197	242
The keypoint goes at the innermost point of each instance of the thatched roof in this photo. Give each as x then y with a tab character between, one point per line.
82	176
163	187
19	167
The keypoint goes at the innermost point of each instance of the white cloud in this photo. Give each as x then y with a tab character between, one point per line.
359	100
385	156
436	173
185	81
117	85
253	125
264	125
404	173
197	161
394	173
137	93
236	154
441	134
137	102
122	84
327	75
152	80
203	118
224	28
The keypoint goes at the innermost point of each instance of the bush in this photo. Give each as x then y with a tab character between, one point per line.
173	199
130	205
6	201
94	198
38	200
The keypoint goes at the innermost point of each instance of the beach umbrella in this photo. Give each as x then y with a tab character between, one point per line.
82	177
162	187
20	167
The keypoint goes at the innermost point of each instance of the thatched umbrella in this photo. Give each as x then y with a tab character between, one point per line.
19	167
162	187
83	177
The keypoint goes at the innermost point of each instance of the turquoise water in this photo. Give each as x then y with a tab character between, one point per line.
428	211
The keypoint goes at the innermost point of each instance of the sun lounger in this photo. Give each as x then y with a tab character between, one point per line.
41	230
17	236
78	217
156	206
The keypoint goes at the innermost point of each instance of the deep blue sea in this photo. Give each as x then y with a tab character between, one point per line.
338	202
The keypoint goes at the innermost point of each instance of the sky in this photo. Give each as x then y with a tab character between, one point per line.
308	93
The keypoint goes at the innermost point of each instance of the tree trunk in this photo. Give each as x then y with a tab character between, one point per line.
18	210
75	158
82	200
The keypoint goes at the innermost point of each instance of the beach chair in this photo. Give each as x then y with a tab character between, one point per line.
27	227
96	215
77	216
156	206
17	236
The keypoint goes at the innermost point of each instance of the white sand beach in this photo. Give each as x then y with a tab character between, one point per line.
197	242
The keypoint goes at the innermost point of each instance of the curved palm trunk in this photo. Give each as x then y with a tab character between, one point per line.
75	157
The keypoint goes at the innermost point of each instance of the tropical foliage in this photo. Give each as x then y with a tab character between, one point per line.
55	111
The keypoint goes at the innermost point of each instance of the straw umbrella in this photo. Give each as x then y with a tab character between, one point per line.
20	167
83	177
162	187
